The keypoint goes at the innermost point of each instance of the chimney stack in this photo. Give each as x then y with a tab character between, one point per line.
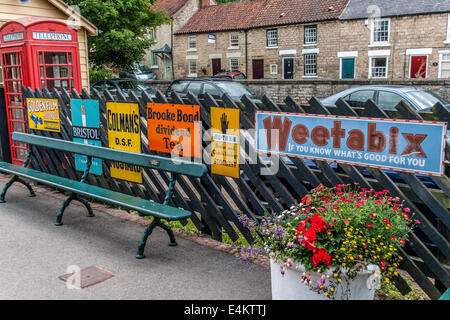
204	3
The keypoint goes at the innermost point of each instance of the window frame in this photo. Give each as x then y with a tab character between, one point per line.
305	58
441	60
190	74
372	32
230	62
231	40
271	31
448	30
371	66
194	48
276	68
314	26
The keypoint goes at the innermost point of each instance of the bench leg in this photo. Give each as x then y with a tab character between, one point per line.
147	233
61	210
9	184
87	205
156	223
173	241
66	204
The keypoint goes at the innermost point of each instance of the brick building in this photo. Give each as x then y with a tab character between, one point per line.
297	39
159	56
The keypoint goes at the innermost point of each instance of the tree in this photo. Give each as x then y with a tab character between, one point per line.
124	29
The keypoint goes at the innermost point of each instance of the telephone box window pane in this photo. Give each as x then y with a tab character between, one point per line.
18	114
70	58
11	59
55	58
42	72
18	126
41	61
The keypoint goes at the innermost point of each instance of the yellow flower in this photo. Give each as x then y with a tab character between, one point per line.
332	289
339	280
325	293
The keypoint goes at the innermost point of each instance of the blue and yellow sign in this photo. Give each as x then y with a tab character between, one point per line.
43	114
86	129
124	133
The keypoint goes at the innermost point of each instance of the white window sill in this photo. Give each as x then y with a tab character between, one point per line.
192	75
310	44
154	67
191	50
378	78
447	41
272	47
233	48
381	44
312	76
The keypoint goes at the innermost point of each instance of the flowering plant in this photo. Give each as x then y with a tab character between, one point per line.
336	232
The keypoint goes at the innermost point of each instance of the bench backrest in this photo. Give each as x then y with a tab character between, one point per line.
143	160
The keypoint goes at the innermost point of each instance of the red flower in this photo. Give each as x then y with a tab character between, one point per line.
321	256
372	215
317	223
369	225
306	199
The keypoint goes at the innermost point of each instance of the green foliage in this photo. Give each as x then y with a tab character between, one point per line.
124	29
97	73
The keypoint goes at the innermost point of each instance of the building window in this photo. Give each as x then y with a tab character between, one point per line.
448	29
192	68
153	35
234	40
153	59
310	64
378	67
272	38
273	69
234	65
192	42
444	62
380	31
310	35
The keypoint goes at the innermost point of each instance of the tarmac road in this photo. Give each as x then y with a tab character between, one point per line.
34	253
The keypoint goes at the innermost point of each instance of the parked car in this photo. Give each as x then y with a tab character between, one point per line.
237	75
138	71
387	97
116	85
216	87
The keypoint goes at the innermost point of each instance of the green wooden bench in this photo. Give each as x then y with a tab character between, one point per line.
78	189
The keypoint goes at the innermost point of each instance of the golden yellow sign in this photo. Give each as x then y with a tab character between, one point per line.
225	142
124	133
43	114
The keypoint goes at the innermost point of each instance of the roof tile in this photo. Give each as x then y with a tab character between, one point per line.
262	13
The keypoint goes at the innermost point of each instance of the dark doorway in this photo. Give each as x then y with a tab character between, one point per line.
288	68
258	69
216	66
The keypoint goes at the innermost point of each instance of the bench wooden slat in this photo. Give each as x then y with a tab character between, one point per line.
141	205
143	160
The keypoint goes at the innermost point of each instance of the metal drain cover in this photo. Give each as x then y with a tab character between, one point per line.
87	277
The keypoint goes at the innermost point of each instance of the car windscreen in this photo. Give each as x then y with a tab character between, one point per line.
426	99
234	89
143	69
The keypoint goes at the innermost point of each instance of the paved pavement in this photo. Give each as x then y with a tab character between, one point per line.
34	253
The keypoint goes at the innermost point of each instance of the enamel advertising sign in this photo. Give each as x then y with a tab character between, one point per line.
225	142
174	129
401	145
86	129
124	133
43	114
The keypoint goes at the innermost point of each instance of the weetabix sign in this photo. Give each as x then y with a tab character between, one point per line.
86	129
401	145
174	129
43	114
124	133
225	142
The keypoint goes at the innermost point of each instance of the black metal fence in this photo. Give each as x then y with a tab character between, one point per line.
217	201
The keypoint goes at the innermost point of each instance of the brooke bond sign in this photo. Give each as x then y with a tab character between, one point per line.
401	145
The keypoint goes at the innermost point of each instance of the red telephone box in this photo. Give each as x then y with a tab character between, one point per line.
37	53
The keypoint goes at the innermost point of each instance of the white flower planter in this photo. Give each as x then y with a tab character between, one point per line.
289	286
